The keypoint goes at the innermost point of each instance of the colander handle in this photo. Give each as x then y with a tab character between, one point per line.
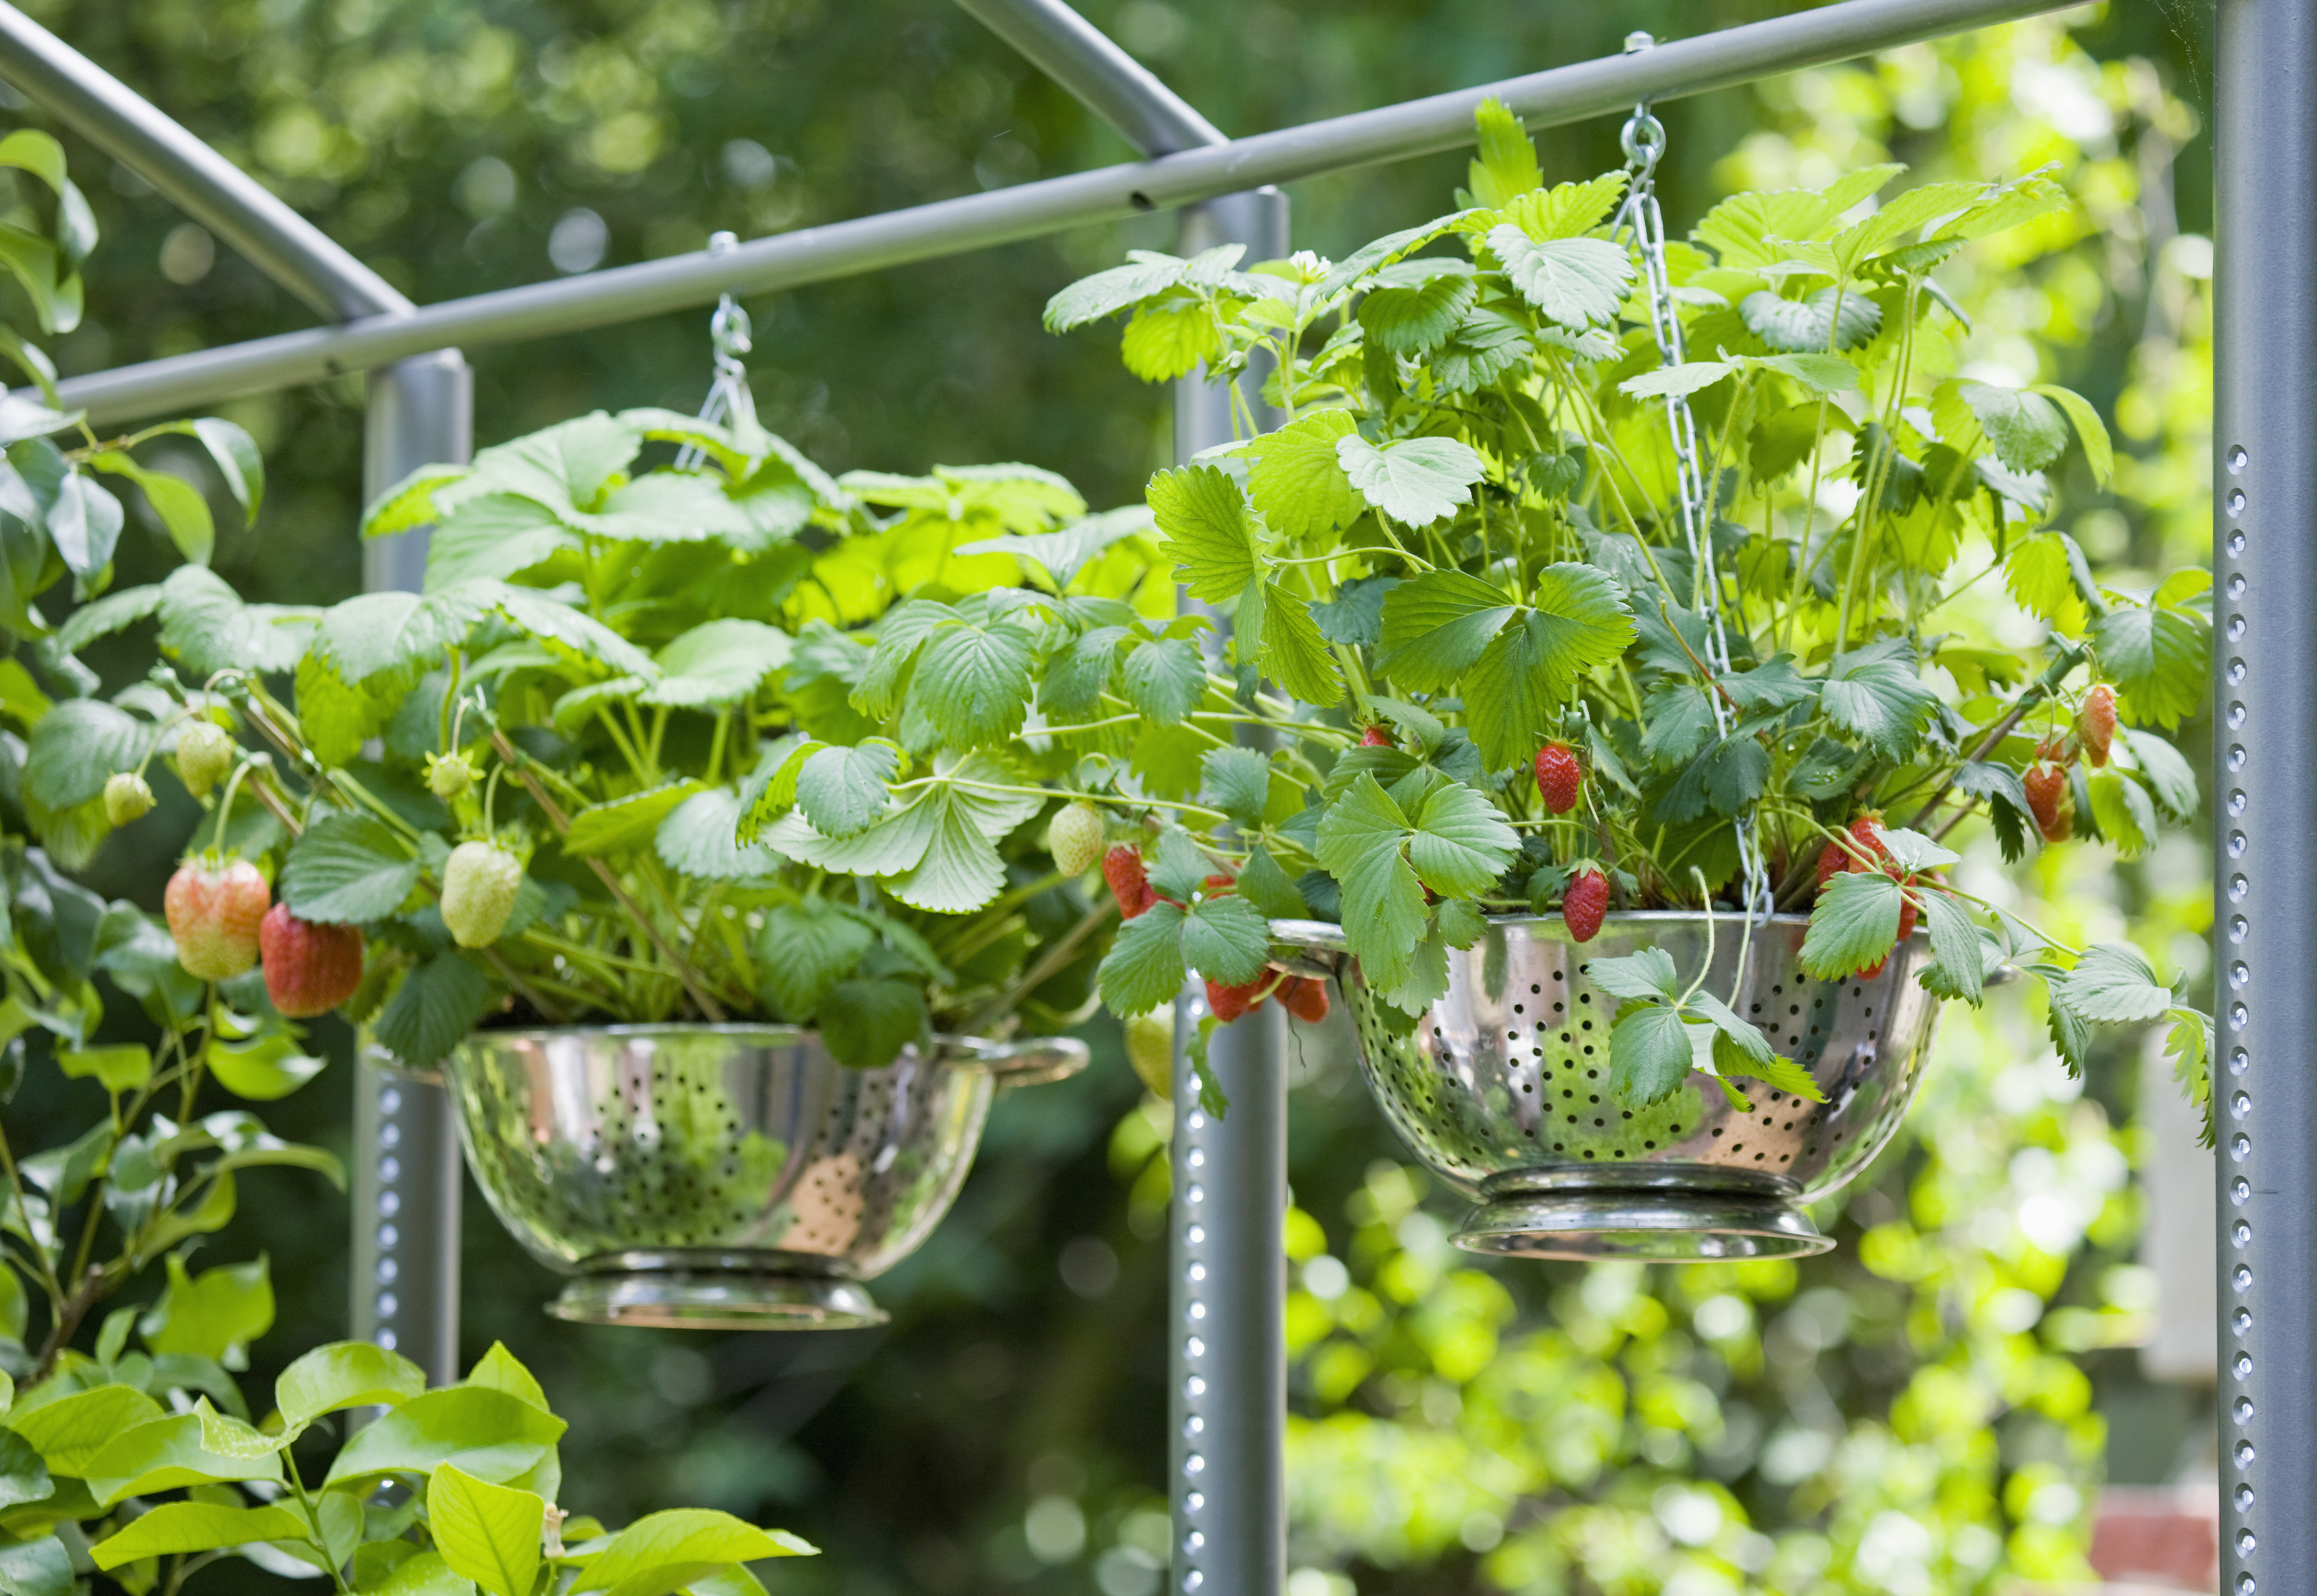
1032	1061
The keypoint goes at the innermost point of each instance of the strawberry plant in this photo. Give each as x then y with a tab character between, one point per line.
1613	672
612	766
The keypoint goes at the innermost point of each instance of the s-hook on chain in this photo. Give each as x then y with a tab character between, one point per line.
728	394
1644	142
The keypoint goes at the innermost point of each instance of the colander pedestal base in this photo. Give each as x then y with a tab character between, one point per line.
710	1298
1596	1222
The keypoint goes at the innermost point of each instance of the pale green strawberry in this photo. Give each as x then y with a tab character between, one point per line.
127	797
479	881
1074	838
205	752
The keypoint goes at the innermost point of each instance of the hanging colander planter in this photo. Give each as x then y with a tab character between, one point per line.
725	1177
1501	1090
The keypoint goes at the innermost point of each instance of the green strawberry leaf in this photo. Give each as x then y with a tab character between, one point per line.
1265	884
1436	626
1458	844
973	683
1237	782
1165	678
1958	965
1297	484
1291	650
867	1023
1144	969
348	868
1650	1053
1226	939
841	791
1854	925
804	949
1208	533
1414	481
435	1006
1647	974
2113	983
1579	283
1361	842
1877	693
2157	656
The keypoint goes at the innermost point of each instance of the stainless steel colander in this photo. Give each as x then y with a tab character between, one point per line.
1501	1088
725	1177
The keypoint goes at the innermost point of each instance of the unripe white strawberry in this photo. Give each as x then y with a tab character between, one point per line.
448	776
1150	1049
127	797
479	881
214	912
1074	838
205	751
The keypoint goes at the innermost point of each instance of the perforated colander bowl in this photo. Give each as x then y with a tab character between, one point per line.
726	1175
1501	1088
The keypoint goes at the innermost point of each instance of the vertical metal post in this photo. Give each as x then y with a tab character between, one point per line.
406	1205
2264	787
1227	1366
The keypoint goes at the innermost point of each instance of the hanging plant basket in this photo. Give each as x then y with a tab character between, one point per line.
695	1177
1501	1090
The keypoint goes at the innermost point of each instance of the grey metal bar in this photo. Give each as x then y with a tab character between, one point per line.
1032	209
1228	1356
1110	83
210	189
2265	782
407	1170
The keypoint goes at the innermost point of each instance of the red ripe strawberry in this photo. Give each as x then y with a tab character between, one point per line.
1227	1003
309	969
1832	862
2047	792
1584	902
1306	999
1907	914
1375	737
1867	836
214	909
1560	778
2096	722
1219	886
1121	867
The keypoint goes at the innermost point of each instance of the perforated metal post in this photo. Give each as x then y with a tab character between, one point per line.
1229	1363
2265	788
405	1256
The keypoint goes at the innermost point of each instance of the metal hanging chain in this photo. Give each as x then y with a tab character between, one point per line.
1644	142
728	394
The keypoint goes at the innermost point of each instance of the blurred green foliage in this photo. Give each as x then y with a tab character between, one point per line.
1919	1400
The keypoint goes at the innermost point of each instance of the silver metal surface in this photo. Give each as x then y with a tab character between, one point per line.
203	184
404	1251
421	412
691	1174
1110	83
1501	1090
1227	1367
2264	789
1560	96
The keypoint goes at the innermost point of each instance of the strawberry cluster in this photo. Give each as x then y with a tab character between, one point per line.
1301	996
1866	840
2050	800
221	916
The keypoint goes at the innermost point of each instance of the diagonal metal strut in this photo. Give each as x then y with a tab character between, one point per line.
209	188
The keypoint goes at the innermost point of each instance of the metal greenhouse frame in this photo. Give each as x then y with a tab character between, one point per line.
1227	1372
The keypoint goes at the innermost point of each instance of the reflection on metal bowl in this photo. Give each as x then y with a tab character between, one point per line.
1501	1088
725	1177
